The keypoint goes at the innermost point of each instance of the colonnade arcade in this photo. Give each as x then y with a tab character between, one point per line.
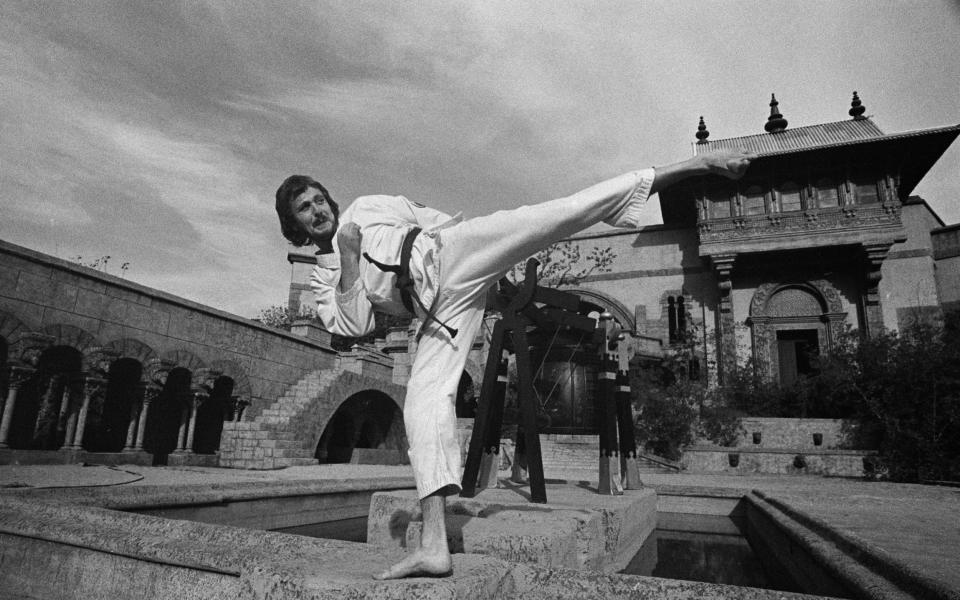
61	390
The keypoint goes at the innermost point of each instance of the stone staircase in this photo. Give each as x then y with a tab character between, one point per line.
277	437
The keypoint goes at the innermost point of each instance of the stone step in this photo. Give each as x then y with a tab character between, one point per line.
300	452
293	462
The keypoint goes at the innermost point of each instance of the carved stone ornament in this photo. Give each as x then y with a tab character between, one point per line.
93	385
204	378
151	392
19	374
810	220
157	370
29	347
198	395
98	360
829	294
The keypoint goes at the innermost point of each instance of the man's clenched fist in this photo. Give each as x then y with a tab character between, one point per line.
348	238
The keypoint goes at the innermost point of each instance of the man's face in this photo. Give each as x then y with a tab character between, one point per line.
315	215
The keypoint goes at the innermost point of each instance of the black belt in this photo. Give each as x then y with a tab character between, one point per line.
405	280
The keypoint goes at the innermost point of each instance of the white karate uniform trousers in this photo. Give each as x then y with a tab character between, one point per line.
472	256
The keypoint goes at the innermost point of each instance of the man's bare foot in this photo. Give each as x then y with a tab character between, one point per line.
422	563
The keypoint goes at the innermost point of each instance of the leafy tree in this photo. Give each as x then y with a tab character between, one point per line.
277	316
900	392
906	386
675	405
564	264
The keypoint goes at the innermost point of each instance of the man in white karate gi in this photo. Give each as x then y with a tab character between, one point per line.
389	254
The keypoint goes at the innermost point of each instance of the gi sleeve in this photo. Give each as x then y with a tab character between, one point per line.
349	313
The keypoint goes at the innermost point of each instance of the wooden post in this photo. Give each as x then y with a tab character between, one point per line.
609	472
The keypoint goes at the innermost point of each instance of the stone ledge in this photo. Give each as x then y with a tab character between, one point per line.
160	496
863	569
610	529
97	552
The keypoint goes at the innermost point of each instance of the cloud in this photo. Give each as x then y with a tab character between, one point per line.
158	132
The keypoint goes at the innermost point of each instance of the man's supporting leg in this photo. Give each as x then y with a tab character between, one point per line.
429	418
432	558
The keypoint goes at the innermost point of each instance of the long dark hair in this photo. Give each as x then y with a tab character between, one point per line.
292	187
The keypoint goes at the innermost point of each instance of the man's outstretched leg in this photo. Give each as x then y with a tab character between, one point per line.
432	558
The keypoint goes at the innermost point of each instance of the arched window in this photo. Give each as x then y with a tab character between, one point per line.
676	318
753	201
790	197
827	193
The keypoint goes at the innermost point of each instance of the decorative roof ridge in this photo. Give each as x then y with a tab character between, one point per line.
801	128
834	144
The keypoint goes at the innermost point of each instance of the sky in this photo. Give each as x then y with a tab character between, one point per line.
157	133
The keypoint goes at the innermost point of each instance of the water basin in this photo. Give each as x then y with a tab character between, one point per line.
711	549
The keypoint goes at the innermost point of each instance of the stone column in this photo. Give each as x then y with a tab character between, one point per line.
64	401
727	339
18	375
45	425
196	400
64	417
872	310
150	393
91	386
182	432
133	425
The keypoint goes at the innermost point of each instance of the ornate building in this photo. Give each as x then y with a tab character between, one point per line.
822	233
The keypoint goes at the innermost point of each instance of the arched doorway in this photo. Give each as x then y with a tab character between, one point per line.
163	422
107	428
370	420
210	416
45	401
791	325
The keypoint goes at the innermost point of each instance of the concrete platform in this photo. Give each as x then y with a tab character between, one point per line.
65	532
577	529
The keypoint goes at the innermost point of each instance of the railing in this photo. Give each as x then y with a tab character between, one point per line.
812	220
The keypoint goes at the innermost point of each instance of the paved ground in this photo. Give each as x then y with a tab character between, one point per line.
917	526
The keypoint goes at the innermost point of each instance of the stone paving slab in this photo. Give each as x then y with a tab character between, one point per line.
109	554
46	476
914	526
913	540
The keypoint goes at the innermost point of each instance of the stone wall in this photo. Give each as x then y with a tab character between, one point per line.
909	281
946	254
43	293
786	447
795	433
82	312
743	461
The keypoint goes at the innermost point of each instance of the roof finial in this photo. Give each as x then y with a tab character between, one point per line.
775	122
857	108
702	133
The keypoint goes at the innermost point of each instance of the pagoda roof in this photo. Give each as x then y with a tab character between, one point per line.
814	137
